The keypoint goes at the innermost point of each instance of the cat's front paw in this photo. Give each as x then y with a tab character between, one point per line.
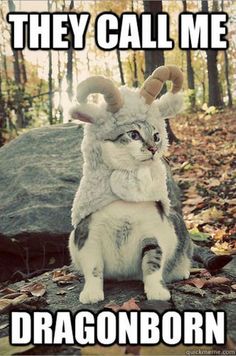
157	293
91	295
186	275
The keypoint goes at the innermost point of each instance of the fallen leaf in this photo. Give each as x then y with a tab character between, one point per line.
219	234
7	349
213	182
36	289
205	282
224	248
63	277
224	298
230	344
3	326
6	303
213	281
7	291
196	235
132	350
129	305
197	282
211	214
233	286
112	306
191	290
12	295
61	292
194	201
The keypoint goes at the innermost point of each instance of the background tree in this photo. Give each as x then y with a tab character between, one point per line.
20	78
154	59
69	75
214	94
50	89
190	73
226	59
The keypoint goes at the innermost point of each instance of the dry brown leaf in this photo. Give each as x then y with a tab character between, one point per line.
61	292
7	349
63	277
211	214
129	305
224	298
6	303
230	344
224	248
197	282
7	291
194	201
36	289
213	281
206	282
213	182
12	295
112	306
132	350
4	326
219	234
233	286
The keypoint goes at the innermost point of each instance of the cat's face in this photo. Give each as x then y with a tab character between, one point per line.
134	146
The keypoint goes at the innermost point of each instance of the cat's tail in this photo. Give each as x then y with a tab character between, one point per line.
210	261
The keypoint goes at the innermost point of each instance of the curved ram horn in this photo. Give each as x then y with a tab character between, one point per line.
154	83
99	84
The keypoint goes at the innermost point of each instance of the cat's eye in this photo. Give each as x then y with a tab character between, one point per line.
156	137
135	135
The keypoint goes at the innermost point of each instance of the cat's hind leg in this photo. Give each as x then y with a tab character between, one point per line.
180	271
89	259
152	267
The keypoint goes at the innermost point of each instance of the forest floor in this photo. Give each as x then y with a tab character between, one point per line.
202	163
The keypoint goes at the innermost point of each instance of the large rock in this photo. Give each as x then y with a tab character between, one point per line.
39	174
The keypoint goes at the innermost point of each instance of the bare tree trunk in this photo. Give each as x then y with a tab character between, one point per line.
50	94
69	75
120	67
22	66
59	78
17	74
135	80
190	73
154	59
230	100
214	94
2	113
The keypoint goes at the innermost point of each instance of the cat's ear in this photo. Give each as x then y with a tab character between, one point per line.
77	114
170	104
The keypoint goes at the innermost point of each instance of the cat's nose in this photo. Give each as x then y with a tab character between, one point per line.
152	149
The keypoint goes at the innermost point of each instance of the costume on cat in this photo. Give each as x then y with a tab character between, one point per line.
95	187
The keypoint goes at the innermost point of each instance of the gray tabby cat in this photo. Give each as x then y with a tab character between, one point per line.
126	214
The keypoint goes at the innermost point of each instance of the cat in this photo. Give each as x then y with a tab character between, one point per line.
140	235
